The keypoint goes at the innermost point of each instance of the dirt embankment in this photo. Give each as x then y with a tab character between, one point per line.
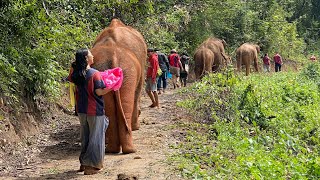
53	153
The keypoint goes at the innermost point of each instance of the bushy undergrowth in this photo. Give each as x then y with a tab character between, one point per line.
201	102
265	126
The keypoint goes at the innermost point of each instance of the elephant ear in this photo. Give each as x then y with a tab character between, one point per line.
224	43
257	48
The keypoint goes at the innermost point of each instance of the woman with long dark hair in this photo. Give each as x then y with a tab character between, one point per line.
90	108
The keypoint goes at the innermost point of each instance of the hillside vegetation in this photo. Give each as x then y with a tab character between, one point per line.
257	127
39	38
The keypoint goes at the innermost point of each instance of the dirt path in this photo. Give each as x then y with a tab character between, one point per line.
54	154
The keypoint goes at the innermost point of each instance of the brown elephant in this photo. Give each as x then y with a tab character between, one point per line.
246	54
203	62
121	46
217	47
129	38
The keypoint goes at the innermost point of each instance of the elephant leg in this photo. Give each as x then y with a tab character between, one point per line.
198	70
246	60
215	67
209	66
112	135
239	64
255	63
247	69
126	139
136	111
125	110
135	117
216	62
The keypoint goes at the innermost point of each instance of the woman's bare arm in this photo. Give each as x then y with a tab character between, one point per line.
101	92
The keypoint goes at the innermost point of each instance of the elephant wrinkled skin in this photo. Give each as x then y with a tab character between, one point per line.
217	47
121	46
219	59
203	59
246	54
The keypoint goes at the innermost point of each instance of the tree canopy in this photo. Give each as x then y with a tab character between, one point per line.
39	38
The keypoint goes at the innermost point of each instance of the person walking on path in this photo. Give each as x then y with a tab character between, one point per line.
313	58
266	63
175	65
277	62
151	79
164	66
90	108
185	66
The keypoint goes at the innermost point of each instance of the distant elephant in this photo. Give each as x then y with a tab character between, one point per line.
121	46
246	54
217	47
203	62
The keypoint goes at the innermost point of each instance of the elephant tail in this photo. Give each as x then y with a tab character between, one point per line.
117	93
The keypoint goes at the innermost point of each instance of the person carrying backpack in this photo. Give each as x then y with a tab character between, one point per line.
175	66
184	73
164	66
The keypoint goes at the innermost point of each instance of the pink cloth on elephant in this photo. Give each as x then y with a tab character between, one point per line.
112	78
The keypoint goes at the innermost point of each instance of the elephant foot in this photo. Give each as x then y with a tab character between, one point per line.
128	150
153	105
134	128
113	150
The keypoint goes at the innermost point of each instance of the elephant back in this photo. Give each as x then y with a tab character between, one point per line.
125	37
108	57
218	43
248	49
217	47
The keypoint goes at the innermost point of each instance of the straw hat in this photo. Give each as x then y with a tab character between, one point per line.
173	51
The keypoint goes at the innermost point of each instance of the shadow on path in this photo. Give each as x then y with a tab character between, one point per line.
63	175
67	144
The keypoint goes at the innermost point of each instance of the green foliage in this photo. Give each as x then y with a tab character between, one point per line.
273	133
158	36
250	108
202	103
52	30
39	48
7	74
312	72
